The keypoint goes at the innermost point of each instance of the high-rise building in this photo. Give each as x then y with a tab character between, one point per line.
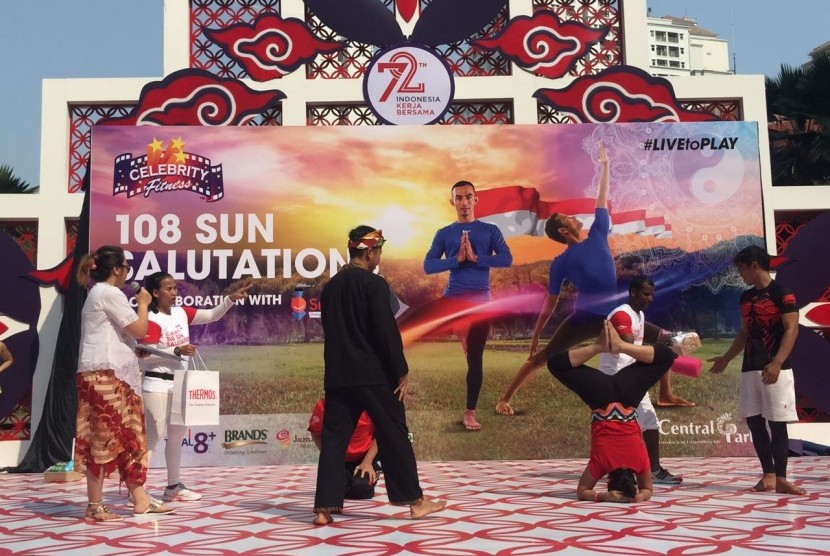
680	47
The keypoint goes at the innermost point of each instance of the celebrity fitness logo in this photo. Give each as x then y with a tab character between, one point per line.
165	169
408	85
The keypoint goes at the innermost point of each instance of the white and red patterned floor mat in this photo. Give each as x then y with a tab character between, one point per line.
517	508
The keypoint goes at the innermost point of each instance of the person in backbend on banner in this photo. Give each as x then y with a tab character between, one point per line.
468	249
768	331
617	447
588	265
365	370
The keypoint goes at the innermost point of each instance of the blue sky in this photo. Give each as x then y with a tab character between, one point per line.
123	38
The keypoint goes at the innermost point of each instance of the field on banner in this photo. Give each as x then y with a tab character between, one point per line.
551	422
222	207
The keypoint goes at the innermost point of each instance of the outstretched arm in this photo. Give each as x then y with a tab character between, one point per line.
719	363
602	197
204	316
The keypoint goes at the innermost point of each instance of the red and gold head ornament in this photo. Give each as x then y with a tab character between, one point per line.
369	241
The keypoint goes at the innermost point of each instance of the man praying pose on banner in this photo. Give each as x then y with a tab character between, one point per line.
468	249
588	265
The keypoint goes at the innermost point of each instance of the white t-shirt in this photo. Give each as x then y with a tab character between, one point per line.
625	320
166	332
104	343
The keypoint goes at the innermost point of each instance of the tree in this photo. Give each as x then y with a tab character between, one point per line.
798	112
9	183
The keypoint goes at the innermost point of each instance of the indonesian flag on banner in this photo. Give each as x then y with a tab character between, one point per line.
519	211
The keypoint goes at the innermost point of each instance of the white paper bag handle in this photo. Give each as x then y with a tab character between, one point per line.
202	361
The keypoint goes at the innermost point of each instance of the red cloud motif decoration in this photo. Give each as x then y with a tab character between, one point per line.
620	94
272	46
544	45
197	97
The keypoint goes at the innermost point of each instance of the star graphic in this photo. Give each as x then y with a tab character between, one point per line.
177	144
156	145
180	157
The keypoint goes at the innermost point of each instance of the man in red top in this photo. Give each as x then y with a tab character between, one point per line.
362	470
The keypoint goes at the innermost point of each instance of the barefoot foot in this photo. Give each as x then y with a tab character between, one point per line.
426	507
671	400
323	518
504	408
783	486
469	420
766	484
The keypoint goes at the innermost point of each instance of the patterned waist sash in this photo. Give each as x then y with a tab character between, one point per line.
614	411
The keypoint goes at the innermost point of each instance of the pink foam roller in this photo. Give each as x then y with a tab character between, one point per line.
687	365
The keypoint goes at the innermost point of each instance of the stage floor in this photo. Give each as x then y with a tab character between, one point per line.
495	507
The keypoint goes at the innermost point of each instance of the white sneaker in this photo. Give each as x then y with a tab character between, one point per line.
180	493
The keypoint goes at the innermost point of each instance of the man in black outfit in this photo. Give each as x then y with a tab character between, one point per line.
365	369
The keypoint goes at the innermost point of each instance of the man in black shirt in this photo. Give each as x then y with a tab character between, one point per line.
365	370
767	395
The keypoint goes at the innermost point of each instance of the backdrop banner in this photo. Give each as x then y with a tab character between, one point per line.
222	207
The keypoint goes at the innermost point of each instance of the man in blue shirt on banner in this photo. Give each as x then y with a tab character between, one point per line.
468	248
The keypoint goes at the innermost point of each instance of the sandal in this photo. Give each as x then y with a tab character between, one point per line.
100	512
155	509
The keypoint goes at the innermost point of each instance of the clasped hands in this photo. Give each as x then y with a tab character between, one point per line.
465	251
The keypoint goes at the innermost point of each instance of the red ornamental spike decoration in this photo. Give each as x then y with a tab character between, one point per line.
197	97
406	9
620	94
272	46
544	45
820	314
58	276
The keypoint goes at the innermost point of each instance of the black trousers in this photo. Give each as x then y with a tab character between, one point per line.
343	407
358	487
598	389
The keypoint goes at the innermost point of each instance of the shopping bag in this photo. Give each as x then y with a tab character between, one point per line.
195	396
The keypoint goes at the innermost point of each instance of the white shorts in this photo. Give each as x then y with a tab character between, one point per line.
775	402
646	415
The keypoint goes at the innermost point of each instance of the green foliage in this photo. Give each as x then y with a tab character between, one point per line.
10	183
798	101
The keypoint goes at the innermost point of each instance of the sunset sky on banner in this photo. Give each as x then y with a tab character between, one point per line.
320	182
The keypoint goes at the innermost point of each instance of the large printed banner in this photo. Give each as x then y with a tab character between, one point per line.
221	207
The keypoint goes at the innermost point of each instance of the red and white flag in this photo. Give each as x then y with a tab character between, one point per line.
518	211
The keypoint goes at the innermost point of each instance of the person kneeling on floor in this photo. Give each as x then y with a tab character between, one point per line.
361	468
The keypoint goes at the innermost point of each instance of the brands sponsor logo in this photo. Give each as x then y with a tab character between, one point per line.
167	168
408	85
244	437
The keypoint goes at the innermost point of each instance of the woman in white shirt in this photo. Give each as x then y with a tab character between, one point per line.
169	331
110	431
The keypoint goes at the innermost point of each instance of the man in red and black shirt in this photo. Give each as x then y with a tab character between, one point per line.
767	394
